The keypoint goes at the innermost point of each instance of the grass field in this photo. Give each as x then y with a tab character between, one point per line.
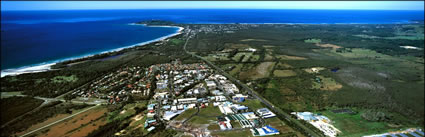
186	114
355	125
217	57
287	57
205	116
61	79
284	73
213	127
262	70
253	104
245	40
326	83
176	41
281	65
245	55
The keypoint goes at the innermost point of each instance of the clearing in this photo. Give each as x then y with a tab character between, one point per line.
286	57
328	84
260	71
284	73
253	40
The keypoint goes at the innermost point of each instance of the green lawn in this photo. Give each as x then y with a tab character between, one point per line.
176	41
186	114
253	104
61	79
238	56
213	127
355	125
206	115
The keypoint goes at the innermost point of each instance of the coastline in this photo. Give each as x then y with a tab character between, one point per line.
46	66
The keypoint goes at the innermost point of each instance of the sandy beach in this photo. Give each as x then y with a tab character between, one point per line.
47	66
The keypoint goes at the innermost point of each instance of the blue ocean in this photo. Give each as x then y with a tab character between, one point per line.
30	38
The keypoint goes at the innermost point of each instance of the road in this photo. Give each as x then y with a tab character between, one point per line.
29	133
255	94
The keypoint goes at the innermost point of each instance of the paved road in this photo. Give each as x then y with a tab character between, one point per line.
29	133
255	94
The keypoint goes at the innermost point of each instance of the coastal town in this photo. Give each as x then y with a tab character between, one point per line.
175	88
239	89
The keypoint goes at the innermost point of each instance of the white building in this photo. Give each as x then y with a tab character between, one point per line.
187	100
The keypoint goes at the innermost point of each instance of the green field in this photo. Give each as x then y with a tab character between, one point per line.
284	73
176	41
253	104
206	115
186	114
217	57
246	56
355	125
61	79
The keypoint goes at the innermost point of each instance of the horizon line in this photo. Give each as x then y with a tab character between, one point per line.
216	9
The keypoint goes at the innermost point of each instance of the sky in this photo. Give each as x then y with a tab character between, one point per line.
76	5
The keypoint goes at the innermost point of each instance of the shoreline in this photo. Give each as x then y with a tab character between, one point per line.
46	66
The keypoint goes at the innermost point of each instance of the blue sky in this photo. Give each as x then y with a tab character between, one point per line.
75	5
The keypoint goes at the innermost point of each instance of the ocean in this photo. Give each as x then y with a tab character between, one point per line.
37	38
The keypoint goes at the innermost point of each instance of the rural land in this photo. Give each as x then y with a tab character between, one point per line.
228	80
